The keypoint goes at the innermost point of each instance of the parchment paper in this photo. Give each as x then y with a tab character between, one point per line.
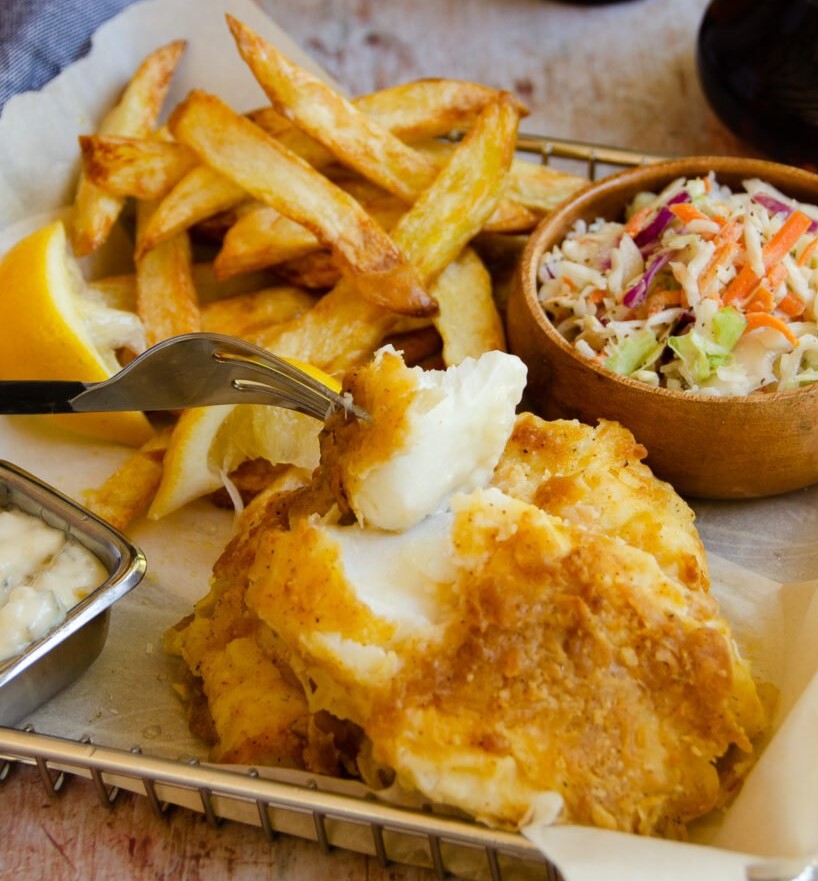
126	697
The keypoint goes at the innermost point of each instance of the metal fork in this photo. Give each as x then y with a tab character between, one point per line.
192	370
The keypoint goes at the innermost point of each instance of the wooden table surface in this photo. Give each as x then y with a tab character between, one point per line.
622	74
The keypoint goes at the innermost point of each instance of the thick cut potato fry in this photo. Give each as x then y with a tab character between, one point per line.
429	108
201	193
317	109
119	291
417	346
96	211
465	193
316	271
145	168
467	320
166	298
126	495
539	187
247	314
511	217
342	330
412	111
357	139
262	238
529	185
216	227
247	155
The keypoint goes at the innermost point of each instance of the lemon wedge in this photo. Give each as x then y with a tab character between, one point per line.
53	328
209	442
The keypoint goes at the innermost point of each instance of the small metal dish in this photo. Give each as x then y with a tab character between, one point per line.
55	660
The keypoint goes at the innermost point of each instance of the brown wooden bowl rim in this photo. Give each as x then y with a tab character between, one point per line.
584	199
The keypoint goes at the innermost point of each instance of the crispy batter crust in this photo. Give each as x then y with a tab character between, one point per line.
579	650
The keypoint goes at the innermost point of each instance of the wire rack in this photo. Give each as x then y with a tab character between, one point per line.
592	160
296	803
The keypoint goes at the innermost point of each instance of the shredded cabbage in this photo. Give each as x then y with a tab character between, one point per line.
646	297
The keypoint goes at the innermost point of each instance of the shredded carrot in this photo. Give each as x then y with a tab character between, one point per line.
772	253
731	231
776	275
721	257
596	296
808	252
741	286
687	212
636	220
764	319
782	242
761	301
791	304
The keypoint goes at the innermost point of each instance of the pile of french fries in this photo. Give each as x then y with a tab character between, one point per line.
330	226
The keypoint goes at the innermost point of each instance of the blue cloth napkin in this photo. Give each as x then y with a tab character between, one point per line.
38	38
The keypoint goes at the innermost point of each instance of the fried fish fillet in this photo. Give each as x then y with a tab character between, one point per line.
548	637
524	656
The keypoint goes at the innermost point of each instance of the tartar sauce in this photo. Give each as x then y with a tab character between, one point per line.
43	574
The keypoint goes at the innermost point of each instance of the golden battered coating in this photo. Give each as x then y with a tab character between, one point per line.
548	637
595	478
243	699
562	661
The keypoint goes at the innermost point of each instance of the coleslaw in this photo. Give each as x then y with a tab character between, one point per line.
699	289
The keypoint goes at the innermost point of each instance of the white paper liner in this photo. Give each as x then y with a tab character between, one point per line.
126	697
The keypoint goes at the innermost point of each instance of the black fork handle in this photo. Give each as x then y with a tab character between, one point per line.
27	396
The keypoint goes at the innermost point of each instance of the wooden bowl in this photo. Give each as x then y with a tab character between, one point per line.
709	447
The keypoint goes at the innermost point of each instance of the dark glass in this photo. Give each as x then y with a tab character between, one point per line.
758	65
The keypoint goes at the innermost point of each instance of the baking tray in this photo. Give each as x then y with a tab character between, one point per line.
296	803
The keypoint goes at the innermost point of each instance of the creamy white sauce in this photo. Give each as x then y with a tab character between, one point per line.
43	574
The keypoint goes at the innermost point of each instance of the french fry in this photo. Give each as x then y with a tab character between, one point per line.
250	479
429	108
201	193
126	495
263	238
317	271
216	227
245	154
166	298
356	139
539	187
529	185
511	217
416	345
95	211
247	314
412	111
467	318
342	329
119	291
465	193
141	167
